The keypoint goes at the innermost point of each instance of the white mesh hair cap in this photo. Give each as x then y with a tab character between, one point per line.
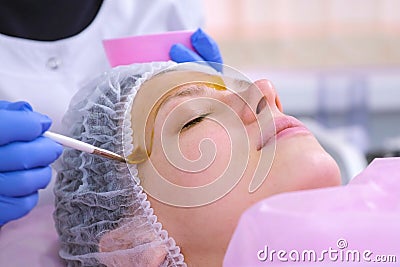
94	195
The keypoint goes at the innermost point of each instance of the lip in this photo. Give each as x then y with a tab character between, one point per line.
284	126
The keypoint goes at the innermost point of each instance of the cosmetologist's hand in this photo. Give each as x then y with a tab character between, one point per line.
25	157
206	48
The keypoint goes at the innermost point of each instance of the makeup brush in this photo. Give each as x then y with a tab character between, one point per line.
81	146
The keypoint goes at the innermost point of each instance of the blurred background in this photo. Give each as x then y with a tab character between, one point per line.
334	63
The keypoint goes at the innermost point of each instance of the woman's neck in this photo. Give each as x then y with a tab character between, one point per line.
198	259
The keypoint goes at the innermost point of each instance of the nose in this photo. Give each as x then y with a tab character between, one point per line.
269	96
260	96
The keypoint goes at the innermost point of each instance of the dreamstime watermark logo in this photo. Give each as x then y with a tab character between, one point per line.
339	254
185	82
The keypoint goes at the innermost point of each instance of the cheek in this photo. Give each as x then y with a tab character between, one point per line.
208	146
205	147
206	138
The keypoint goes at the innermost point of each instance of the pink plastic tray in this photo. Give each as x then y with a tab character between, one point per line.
144	48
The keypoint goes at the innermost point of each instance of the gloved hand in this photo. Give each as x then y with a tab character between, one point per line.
25	156
204	45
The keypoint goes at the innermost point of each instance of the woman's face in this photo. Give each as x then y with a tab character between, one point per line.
201	133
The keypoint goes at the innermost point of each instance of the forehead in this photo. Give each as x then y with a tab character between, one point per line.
171	85
187	83
167	83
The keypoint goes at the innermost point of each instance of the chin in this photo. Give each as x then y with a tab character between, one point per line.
301	163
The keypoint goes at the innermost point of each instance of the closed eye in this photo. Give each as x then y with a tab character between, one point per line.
193	122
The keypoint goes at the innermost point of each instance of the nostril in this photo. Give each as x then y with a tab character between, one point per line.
278	103
261	105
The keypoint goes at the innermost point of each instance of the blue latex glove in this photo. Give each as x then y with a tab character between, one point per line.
25	156
206	48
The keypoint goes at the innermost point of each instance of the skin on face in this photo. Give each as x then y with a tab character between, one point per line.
203	233
192	116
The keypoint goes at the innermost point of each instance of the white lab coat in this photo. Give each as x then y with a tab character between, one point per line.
47	74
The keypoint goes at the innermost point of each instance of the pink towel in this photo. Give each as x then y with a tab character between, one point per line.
359	220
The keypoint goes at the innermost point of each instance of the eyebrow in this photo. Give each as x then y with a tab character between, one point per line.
191	90
195	90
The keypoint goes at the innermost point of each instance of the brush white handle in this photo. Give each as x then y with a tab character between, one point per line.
70	142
